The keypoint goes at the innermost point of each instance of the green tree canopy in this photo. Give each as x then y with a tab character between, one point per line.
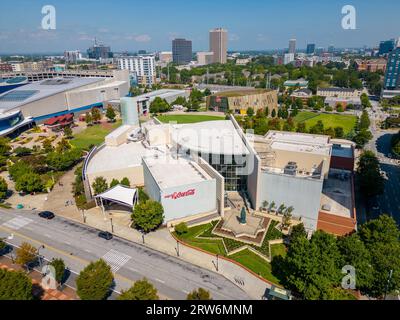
99	185
141	290
3	188
199	294
370	179
25	254
29	183
94	282
59	267
148	215
15	285
110	113
159	105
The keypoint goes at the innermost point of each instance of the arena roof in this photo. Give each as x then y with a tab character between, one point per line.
210	137
40	90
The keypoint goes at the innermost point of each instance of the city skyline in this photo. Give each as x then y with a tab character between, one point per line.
260	26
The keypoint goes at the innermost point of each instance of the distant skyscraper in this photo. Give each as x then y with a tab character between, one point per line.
331	48
288	58
181	51
99	51
292	46
72	56
219	44
386	46
392	77
310	48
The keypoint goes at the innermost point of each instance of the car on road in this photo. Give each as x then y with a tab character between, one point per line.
46	215
105	235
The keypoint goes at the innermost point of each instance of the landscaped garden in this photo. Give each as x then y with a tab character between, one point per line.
93	135
202	237
188	118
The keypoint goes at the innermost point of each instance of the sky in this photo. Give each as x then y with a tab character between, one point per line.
131	25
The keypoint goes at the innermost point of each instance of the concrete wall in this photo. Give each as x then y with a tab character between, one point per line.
202	201
304	194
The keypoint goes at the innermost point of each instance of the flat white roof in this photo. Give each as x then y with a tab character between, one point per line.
171	171
126	155
299	142
211	137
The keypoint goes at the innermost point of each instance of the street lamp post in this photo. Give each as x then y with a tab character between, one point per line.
112	226
38	254
142	236
217	263
177	248
83	215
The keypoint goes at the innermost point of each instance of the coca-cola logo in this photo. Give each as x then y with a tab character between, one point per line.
177	195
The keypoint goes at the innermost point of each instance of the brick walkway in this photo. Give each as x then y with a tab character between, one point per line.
38	291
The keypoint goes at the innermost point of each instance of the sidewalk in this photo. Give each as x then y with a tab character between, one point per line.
38	291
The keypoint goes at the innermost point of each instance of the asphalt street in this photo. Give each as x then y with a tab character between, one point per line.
78	244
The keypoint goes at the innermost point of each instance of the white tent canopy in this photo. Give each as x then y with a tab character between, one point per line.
121	195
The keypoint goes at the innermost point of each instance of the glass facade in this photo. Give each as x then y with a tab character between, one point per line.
10	122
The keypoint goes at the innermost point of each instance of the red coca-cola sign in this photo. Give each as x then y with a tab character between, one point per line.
178	195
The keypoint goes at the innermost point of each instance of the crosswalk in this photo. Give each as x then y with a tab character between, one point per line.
17	223
116	259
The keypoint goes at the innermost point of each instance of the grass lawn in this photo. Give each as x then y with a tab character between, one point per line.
278	250
93	135
188	118
348	122
245	257
256	264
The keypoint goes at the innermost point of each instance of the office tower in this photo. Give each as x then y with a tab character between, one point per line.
288	58
310	48
331	48
219	44
143	67
181	51
386	46
99	51
292	46
72	56
392	77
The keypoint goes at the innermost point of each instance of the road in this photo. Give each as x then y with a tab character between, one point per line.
78	244
389	201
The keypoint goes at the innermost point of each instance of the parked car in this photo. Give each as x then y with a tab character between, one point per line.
105	235
46	215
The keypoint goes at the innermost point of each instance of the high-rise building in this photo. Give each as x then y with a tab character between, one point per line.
204	58
331	48
310	48
72	56
142	67
292	46
181	51
99	51
392	77
219	44
386	46
288	58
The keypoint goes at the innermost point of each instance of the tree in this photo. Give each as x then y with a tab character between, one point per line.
114	183
364	121
141	290
199	294
180	101
371	180
381	239
96	115
250	112
15	285
273	113
301	127
68	132
287	218
25	254
181	228
47	146
297	231
3	245
318	128
4	146
159	106
148	215
362	137
19	169
63	145
59	267
94	282
110	113
339	132
88	118
125	182
29	183
99	185
3	188
63	161
339	107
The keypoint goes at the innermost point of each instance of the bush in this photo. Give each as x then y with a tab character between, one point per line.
19	169
141	290
125	182
63	161
15	285
59	267
181	228
3	188
29	183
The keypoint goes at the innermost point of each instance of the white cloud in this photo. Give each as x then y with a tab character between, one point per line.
142	38
233	37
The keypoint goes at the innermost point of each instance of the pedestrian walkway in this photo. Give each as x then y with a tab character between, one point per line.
17	223
116	259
